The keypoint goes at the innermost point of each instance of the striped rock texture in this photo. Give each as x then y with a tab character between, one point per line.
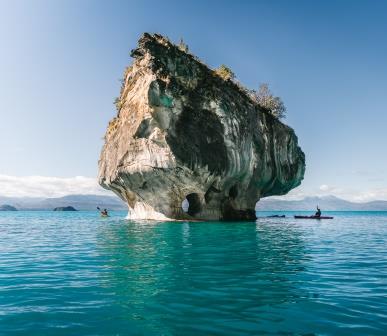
183	132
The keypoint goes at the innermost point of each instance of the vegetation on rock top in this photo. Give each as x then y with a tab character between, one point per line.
263	97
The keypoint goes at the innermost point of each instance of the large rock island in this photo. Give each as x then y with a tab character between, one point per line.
183	132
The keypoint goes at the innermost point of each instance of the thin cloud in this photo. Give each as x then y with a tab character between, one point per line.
346	194
45	186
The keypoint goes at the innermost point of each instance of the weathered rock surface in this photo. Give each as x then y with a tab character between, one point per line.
184	132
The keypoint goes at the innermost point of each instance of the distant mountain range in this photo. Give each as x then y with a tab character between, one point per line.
90	202
326	203
79	202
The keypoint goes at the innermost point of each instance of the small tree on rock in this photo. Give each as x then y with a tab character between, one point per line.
183	46
268	101
225	72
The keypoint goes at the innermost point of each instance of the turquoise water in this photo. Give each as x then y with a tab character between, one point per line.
77	274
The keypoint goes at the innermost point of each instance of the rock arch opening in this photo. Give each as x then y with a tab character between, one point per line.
233	192
192	204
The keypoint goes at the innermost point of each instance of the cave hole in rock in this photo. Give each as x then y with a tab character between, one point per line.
210	193
233	192
144	130
191	204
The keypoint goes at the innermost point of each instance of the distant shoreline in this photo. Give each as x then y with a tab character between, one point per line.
90	202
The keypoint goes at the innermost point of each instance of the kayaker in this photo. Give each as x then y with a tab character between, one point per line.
318	212
103	212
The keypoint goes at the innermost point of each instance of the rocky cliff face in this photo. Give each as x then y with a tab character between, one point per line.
182	132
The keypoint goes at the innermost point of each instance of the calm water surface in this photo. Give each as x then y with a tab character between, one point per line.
78	274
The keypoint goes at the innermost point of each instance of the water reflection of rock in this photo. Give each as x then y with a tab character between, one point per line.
195	275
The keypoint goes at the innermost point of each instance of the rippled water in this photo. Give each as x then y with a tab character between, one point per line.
78	274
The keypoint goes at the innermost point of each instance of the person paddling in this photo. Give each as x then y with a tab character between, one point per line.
317	215
103	212
318	212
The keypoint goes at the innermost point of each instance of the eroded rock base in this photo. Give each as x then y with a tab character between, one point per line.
143	211
184	132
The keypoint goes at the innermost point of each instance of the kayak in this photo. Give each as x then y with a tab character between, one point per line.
104	215
312	217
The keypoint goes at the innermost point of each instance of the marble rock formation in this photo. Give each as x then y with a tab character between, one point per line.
183	132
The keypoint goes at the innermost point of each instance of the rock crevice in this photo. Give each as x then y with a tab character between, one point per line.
182	132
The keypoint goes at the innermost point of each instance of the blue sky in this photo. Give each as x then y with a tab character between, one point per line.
61	61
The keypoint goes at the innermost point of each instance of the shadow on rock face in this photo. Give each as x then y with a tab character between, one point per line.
198	140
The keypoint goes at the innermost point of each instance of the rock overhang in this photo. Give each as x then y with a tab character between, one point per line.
184	132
